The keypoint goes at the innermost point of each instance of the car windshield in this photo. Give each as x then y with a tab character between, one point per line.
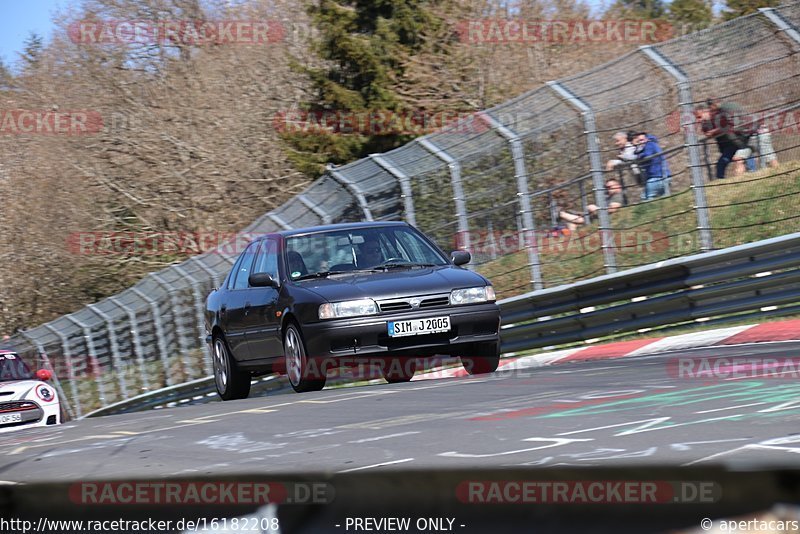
12	367
341	251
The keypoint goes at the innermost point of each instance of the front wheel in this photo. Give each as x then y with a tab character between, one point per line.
486	359
231	383
301	376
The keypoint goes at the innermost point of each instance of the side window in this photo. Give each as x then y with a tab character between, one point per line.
234	270
267	259
243	267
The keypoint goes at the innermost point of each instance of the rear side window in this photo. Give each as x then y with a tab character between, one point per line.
243	266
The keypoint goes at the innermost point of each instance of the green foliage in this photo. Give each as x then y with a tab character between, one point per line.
737	8
363	46
638	9
31	54
690	15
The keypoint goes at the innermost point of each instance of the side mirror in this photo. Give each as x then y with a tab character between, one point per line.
460	257
262	280
44	375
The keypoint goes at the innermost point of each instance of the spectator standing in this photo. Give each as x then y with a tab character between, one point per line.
653	165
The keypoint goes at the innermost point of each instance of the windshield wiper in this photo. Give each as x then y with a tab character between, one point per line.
320	274
409	264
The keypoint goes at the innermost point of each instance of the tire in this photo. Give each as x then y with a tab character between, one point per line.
485	360
297	368
230	381
398	370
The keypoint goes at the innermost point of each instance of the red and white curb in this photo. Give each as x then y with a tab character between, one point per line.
758	333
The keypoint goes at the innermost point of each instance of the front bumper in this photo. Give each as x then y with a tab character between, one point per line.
470	325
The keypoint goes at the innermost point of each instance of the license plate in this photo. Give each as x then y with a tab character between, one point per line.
415	327
10	418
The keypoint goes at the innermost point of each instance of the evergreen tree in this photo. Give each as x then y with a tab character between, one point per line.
690	15
5	76
32	53
737	8
638	9
363	45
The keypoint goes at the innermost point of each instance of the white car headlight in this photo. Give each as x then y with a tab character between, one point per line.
349	308
471	295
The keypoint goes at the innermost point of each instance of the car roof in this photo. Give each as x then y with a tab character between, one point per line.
340	226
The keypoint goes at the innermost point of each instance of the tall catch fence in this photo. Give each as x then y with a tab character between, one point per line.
496	185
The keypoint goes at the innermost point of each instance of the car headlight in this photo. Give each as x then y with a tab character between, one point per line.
349	308
472	295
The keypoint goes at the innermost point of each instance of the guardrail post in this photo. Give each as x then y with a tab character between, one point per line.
200	307
783	25
70	367
458	189
277	219
215	277
137	341
180	331
405	187
115	356
596	164
160	339
692	145
319	212
87	335
354	190
56	381
521	175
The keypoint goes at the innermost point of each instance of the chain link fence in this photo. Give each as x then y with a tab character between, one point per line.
497	185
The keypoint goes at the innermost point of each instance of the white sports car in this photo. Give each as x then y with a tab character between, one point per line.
25	399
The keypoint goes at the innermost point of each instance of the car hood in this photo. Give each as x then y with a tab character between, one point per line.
19	389
393	284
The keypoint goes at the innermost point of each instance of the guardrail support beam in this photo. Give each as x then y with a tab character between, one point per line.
783	25
354	190
405	187
200	308
692	145
596	164
160	339
137	341
70	368
458	188
521	175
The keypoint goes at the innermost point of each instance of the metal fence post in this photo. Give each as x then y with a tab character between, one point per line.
215	277
137	341
70	368
56	381
160	339
277	219
692	145
115	355
180	331
199	306
521	176
596	163
405	187
782	24
354	190
87	335
458	189
318	211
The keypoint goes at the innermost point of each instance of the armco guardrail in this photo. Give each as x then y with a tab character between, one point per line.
488	189
739	279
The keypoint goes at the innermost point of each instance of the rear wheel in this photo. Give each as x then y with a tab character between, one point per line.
397	370
484	360
301	376
230	381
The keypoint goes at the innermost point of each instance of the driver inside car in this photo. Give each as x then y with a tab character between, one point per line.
369	253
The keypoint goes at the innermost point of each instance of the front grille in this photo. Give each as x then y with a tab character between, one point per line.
404	304
17	406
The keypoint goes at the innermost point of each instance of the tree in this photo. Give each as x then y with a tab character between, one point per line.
737	8
6	79
363	46
638	9
32	52
690	15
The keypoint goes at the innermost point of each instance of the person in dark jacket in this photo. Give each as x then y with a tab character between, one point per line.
652	164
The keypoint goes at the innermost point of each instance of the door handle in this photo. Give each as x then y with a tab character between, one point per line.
247	307
223	309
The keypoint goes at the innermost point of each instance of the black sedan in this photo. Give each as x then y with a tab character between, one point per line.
308	300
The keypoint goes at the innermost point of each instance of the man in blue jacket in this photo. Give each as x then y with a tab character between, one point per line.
653	165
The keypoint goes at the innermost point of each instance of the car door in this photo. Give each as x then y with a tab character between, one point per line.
262	324
234	311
